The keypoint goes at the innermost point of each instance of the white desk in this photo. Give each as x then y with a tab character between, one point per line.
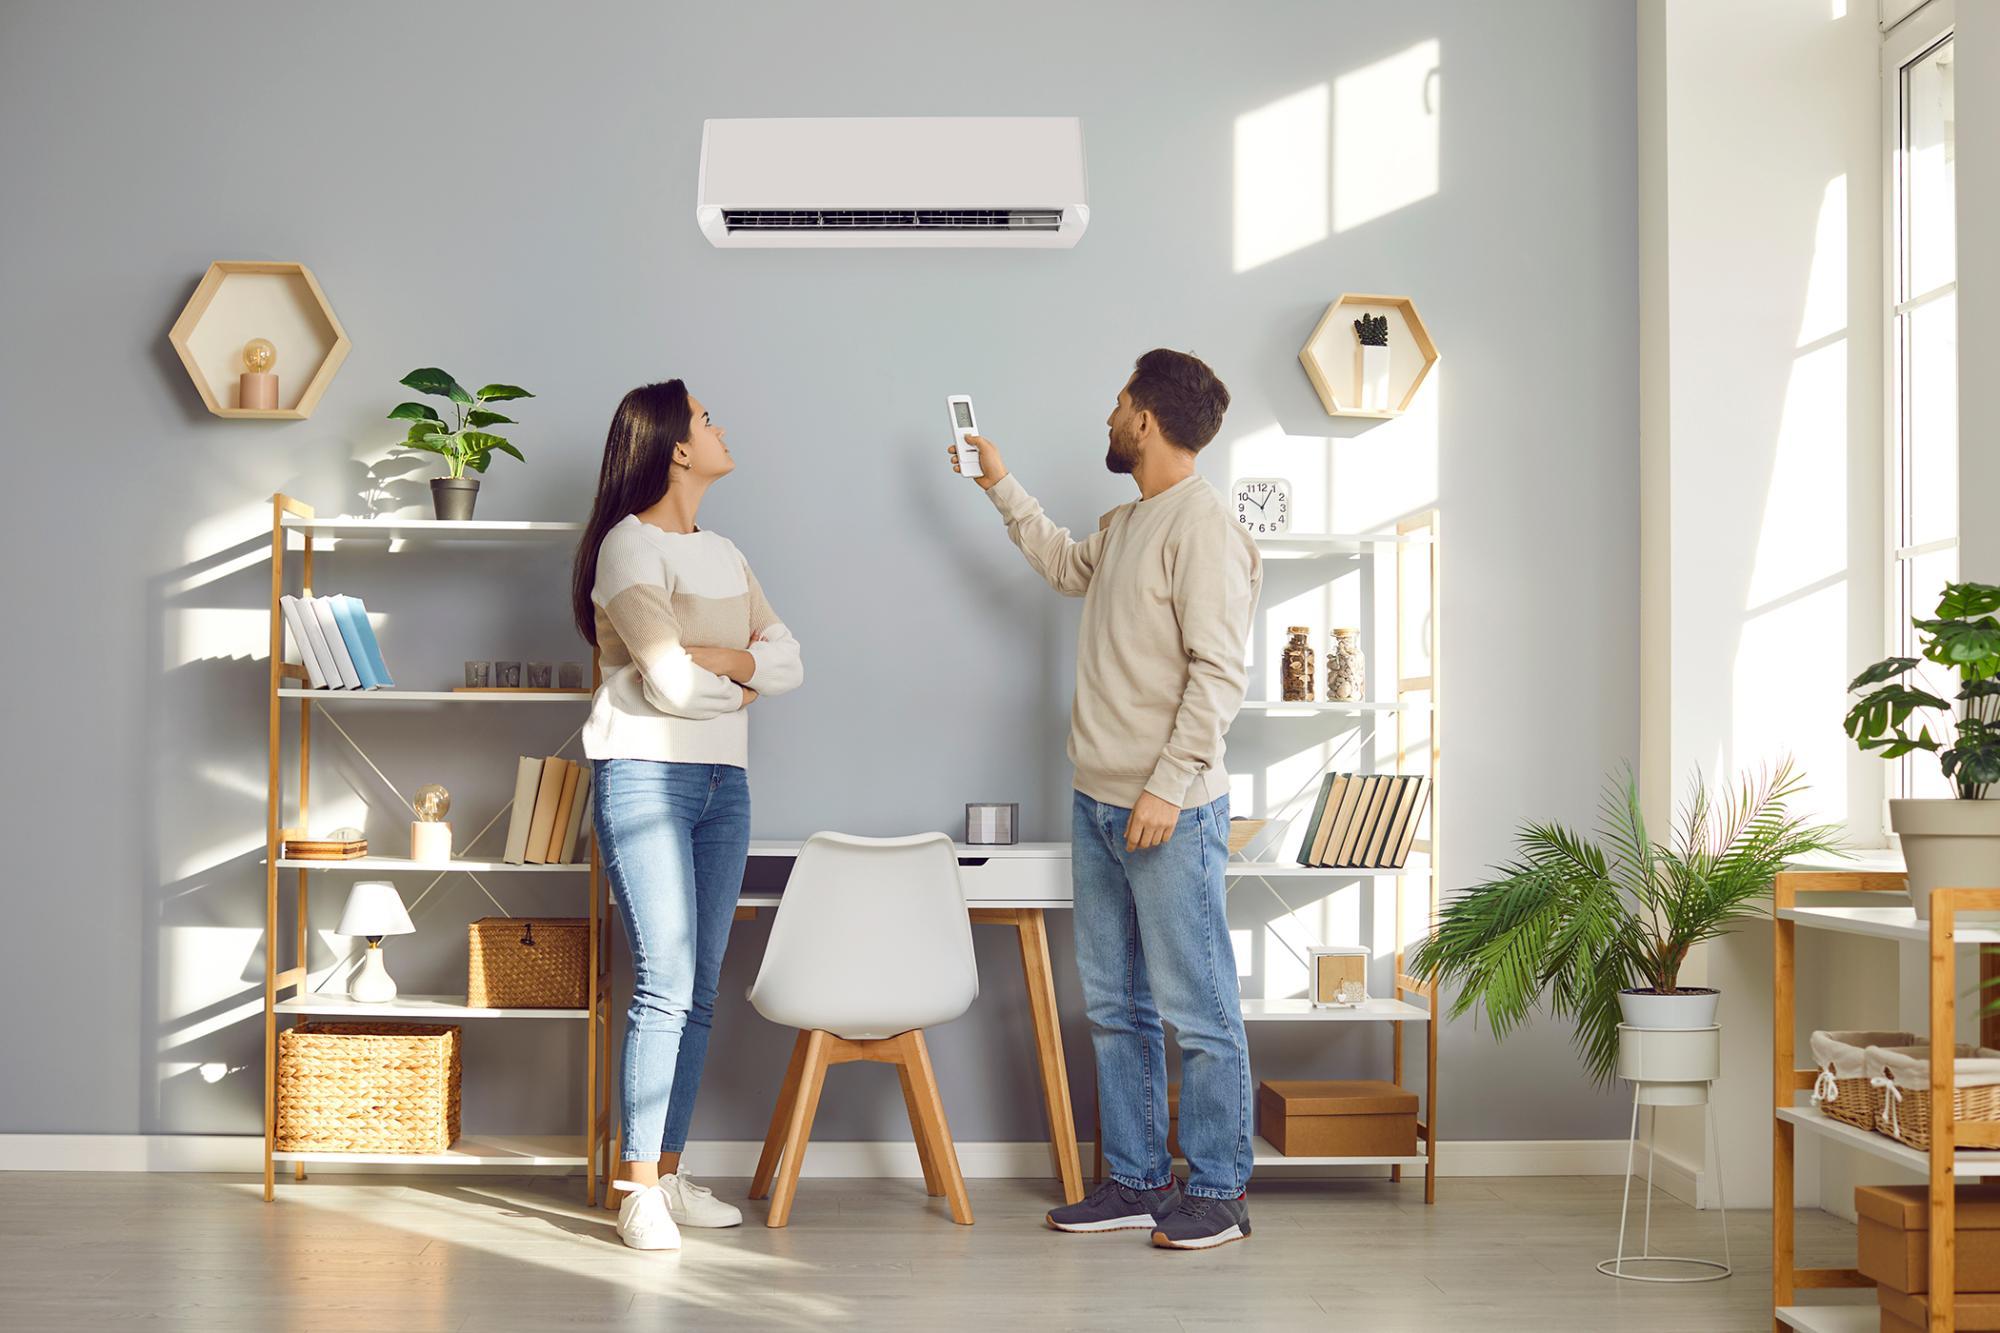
1006	886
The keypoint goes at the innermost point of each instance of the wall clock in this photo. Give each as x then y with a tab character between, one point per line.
1263	505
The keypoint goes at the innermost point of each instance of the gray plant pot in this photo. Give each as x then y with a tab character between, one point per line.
1948	845
453	497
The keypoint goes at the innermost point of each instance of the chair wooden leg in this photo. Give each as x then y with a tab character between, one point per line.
774	1138
930	1108
798	1128
933	1185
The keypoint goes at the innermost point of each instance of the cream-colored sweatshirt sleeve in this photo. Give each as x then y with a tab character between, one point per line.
1066	564
776	652
1215	578
636	596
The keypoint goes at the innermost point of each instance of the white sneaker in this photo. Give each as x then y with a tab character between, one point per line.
644	1222
694	1205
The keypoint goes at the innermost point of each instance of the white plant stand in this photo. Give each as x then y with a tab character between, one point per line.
1667	1067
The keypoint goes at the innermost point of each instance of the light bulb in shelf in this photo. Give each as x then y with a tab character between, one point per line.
432	803
259	356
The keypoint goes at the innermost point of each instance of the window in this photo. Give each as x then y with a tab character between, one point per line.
1922	346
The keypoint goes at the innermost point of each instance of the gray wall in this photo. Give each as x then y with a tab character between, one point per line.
505	190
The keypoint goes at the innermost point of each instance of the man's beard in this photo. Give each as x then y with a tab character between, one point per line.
1121	457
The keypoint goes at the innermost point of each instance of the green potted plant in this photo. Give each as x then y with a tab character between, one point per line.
1947	842
1600	929
464	442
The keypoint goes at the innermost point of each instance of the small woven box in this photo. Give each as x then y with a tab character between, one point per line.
1842	1090
1903	1097
367	1087
538	962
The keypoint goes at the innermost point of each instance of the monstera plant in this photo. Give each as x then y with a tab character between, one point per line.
1947	843
465	440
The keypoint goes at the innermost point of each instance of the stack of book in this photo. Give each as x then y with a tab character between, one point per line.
1364	821
335	643
323	849
551	820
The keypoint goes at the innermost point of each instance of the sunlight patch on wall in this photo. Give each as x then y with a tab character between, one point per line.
204	965
1281	178
1803	537
1825	311
1790	668
207	536
1385	136
204	633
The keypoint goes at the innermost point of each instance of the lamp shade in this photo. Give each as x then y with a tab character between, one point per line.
374	908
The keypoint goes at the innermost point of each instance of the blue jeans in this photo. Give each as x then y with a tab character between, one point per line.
1152	923
674	839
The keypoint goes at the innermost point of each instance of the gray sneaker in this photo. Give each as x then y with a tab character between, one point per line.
1113	1207
1203	1224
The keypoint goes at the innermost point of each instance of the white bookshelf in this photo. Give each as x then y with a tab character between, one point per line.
1351	706
297	535
1966	1164
1379	1010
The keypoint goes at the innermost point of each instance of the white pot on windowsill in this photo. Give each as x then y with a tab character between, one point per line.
1947	844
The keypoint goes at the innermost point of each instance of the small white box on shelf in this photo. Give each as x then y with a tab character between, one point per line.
1339	975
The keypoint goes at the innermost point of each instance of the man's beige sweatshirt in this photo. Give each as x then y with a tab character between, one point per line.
1169	586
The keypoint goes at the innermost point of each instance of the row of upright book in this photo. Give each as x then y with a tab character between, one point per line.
550	824
335	643
1364	821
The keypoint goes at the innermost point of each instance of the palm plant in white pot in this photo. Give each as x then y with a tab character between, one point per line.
1600	929
1947	842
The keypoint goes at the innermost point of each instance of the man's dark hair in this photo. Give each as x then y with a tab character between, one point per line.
1183	395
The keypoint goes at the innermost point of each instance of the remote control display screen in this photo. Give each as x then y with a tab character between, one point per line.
964	412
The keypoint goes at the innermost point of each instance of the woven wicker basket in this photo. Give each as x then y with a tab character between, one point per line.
1843	1073
1903	1108
367	1087
528	963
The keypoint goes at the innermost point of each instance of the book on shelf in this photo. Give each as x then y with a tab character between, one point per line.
322	651
565	805
329	626
1340	819
302	848
548	795
1326	797
361	640
1370	854
300	643
579	820
1366	807
527	781
351	640
1408	833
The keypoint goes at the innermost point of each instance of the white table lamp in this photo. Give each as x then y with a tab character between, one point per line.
373	909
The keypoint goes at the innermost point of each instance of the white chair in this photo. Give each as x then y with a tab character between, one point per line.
871	945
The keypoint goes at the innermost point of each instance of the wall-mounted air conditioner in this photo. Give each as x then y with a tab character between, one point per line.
926	180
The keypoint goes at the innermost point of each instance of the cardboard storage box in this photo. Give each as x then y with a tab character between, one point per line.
1893	1236
1338	1118
1977	1312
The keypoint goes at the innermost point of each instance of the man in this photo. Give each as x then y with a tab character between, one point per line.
1169	583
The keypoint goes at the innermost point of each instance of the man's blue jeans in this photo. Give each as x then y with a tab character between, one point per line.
1150	924
674	839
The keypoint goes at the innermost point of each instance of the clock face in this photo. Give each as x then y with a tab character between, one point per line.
1263	505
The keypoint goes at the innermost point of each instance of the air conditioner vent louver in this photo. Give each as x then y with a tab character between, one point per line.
892	219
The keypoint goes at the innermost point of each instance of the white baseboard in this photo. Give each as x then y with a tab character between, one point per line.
233	1153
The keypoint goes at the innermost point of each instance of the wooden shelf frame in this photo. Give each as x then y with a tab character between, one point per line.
186	334
293	526
1328	353
1944	1164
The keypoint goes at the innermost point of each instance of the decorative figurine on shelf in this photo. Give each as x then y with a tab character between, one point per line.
430	836
541	675
1372	363
1346	669
257	386
1297	669
573	674
506	675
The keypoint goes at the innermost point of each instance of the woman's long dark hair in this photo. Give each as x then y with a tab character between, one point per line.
638	463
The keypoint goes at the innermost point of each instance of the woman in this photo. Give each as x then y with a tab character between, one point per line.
687	642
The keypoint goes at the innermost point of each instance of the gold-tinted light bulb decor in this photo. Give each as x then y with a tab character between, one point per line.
257	386
430	836
432	802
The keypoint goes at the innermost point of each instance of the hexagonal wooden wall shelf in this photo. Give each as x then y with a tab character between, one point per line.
1332	356
238	300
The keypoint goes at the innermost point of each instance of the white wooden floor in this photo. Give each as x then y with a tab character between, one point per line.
417	1254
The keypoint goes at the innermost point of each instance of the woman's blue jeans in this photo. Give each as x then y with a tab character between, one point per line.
674	838
1152	940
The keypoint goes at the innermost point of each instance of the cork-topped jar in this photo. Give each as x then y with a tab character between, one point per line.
1297	666
1346	671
